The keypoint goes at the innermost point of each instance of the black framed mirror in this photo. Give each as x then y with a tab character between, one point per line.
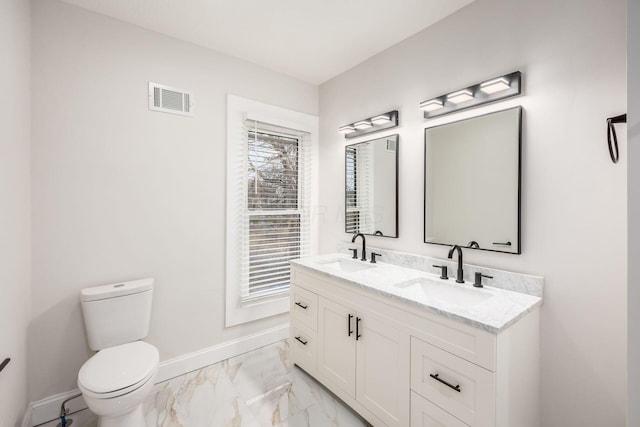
371	187
472	182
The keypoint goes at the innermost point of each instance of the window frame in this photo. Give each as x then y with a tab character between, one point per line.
239	111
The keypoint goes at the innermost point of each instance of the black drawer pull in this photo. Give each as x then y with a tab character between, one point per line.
4	363
304	307
349	331
502	244
358	328
435	377
302	341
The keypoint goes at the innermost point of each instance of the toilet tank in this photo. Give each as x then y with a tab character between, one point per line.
118	313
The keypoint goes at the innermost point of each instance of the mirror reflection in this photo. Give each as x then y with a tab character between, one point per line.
371	187
472	182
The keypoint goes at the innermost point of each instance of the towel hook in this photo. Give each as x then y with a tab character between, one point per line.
612	137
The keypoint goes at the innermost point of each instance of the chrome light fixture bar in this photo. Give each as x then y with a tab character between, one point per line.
372	124
473	96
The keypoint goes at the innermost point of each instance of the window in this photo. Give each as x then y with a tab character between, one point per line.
273	211
270	189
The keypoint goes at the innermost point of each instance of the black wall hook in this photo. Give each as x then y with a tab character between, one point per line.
4	363
612	138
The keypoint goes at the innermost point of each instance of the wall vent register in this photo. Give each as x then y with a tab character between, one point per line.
170	100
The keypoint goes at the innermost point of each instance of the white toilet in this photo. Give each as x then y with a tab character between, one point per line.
118	378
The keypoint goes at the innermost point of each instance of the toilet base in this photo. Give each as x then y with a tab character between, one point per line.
134	418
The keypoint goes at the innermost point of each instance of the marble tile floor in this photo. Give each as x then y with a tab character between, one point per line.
261	388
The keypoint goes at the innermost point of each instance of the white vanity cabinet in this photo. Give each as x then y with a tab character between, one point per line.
400	365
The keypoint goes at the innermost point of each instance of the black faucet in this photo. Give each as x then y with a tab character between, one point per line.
460	274
364	245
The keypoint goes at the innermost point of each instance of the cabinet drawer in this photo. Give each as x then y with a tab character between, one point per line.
475	345
426	414
304	307
458	386
304	350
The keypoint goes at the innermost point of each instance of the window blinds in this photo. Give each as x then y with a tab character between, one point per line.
359	197
352	219
276	207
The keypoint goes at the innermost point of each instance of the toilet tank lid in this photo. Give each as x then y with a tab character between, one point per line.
119	289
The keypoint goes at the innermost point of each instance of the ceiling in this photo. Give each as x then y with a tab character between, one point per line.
312	40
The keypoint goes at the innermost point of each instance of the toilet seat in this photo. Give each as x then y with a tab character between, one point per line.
118	370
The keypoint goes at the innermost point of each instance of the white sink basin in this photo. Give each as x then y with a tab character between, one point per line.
346	266
445	292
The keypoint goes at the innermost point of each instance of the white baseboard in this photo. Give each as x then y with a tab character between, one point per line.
199	359
48	409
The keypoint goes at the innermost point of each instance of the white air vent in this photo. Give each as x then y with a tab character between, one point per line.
170	100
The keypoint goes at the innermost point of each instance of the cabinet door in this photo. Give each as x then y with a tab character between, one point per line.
383	368
336	349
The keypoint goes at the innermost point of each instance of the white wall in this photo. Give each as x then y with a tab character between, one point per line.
633	129
572	55
15	135
120	192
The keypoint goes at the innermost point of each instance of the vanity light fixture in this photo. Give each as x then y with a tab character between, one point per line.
381	119
346	130
363	124
460	96
431	105
491	90
495	85
372	124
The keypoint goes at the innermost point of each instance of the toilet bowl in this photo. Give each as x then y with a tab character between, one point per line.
120	376
116	381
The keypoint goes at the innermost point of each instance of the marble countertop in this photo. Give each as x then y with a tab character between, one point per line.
489	308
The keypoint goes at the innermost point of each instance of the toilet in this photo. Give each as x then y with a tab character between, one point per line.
118	378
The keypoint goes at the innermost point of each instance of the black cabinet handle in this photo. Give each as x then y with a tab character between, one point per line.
304	307
4	363
437	378
358	328
502	244
302	341
349	331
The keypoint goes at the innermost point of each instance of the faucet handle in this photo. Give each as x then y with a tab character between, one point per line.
355	252
373	257
478	279
443	271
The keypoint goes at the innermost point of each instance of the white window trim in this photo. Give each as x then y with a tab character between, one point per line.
238	111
